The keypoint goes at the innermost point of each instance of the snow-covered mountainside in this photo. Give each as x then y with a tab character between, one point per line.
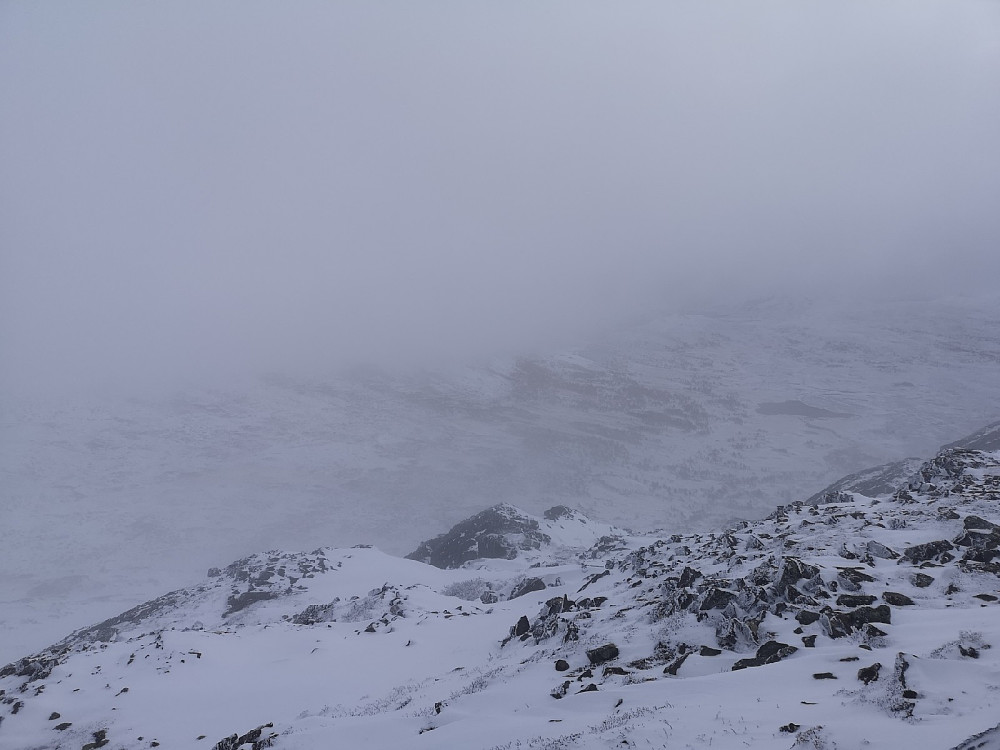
859	621
679	421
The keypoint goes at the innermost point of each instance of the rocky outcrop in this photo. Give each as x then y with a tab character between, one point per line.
497	532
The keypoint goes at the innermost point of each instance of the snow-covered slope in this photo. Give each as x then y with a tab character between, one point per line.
857	622
680	421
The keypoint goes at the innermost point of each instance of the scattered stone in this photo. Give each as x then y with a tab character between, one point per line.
809	641
824	676
64	726
985	597
54	716
790	727
561	665
591	688
709	651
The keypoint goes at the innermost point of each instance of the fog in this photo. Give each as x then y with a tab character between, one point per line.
195	189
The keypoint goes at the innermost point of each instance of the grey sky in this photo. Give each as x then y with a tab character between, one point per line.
189	186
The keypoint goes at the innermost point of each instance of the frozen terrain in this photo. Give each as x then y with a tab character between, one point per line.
677	422
860	621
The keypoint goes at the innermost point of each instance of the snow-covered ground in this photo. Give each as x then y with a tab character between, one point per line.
860	622
677	422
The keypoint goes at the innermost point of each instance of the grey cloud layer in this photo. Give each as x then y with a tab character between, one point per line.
191	185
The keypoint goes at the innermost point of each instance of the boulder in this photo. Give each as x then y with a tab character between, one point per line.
937	550
601	654
897	599
769	653
527	586
869	674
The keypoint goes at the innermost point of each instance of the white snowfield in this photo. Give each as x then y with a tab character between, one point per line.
763	635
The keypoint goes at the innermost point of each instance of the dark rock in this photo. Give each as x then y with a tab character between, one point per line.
790	727
921	580
975	523
560	692
676	664
980	555
854	600
522	627
843	623
54	715
937	550
792	571
561	665
527	586
869	674
897	599
242	601
688	577
769	653
854	576
489	597
985	597
497	532
257	738
64	726
809	641
806	617
214	572
870	631
558	511
717	598
824	676
970	652
615	671
591	688
601	654
709	651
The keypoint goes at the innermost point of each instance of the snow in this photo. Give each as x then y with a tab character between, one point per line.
399	663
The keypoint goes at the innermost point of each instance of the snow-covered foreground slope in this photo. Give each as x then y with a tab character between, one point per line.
681	422
857	622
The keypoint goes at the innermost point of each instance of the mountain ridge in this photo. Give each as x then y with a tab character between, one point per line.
877	617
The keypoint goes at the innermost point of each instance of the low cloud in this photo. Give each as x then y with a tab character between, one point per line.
192	188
